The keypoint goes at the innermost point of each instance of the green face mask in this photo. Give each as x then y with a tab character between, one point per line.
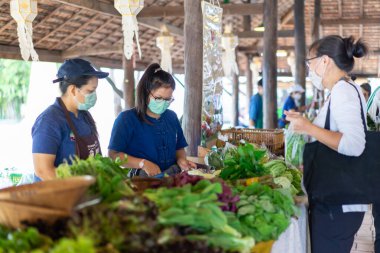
158	107
89	101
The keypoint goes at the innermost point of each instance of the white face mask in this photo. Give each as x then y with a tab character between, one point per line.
315	79
297	96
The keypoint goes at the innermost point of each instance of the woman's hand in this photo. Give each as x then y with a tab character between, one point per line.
299	123
185	164
151	169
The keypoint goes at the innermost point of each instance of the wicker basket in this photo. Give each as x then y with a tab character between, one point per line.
272	139
58	194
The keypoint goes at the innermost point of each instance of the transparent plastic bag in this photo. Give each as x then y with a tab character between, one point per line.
294	147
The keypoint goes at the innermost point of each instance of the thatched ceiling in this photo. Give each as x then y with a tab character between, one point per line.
63	29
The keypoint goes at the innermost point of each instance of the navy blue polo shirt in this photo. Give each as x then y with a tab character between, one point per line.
289	104
156	142
52	135
256	110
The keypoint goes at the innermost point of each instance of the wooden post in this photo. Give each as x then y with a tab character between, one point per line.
270	64
248	74
300	44
247	27
316	20
193	75
235	100
129	84
315	35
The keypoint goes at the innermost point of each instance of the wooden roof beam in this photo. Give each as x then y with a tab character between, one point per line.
255	49
178	11
85	51
57	28
83	26
289	15
3	2
351	21
254	34
92	33
109	9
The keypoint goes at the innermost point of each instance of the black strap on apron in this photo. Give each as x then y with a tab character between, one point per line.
84	145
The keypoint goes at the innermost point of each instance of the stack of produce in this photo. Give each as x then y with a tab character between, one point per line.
246	162
184	214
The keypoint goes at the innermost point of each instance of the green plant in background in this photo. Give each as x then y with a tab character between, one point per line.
14	85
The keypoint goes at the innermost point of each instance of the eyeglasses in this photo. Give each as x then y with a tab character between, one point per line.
160	99
307	61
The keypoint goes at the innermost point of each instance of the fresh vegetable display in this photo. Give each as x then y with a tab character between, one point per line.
263	213
214	159
245	162
110	176
182	213
287	178
227	198
294	146
197	207
23	241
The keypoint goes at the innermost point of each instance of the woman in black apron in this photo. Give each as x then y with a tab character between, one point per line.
340	127
66	129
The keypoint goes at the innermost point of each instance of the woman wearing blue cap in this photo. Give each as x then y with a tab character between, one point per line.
150	134
66	128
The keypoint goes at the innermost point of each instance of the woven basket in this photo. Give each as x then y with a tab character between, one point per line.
273	139
13	214
59	194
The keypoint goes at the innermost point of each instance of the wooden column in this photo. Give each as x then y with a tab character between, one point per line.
248	74
235	100
193	75
129	83
316	20
315	35
300	44
270	64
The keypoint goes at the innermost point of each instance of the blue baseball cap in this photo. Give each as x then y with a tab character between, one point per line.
74	68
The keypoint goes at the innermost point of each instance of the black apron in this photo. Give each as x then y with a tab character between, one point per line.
85	146
336	179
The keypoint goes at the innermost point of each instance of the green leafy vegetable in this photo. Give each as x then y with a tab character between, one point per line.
110	176
244	163
198	207
263	213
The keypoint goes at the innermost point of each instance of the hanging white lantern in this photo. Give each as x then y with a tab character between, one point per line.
291	60
229	43
165	42
24	12
129	9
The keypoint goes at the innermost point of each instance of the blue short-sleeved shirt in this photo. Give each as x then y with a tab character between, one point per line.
256	110
52	135
156	143
289	104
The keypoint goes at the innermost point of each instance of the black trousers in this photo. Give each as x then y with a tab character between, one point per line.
376	217
331	230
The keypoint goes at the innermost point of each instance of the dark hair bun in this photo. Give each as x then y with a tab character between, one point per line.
153	67
358	49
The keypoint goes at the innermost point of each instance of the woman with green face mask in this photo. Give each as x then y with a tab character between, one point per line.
66	128
150	134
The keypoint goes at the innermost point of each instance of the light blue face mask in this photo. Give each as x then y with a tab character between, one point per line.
89	101
158	107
